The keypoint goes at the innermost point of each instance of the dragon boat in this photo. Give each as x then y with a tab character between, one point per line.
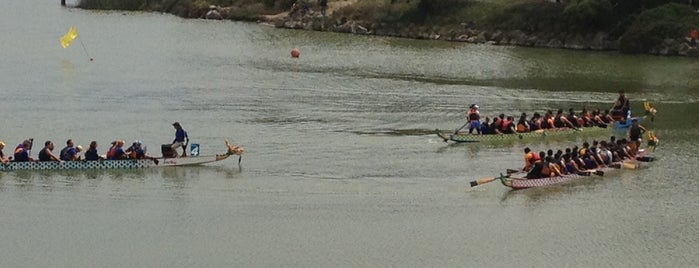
461	137
623	123
517	180
125	163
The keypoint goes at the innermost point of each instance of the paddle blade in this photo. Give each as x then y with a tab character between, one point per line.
645	159
482	181
631	165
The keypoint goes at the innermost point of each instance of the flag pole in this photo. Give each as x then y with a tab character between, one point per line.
85	49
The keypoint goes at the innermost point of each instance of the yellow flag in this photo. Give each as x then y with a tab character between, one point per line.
69	37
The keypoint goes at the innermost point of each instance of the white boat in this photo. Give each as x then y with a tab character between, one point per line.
125	163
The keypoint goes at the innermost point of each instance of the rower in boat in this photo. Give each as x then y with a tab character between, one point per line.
22	150
529	159
559	120
635	136
621	109
522	124
3	159
536	170
91	154
474	119
46	154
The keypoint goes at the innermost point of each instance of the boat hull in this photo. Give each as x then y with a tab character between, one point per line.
538	134
112	164
519	181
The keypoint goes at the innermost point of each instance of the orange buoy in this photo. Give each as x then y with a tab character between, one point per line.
295	53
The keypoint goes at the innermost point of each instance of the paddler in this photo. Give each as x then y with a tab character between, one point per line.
529	159
3	158
635	136
621	106
474	119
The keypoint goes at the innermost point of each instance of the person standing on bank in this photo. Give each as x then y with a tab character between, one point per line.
323	6
181	139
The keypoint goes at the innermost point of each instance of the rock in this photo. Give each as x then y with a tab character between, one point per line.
599	41
496	36
213	14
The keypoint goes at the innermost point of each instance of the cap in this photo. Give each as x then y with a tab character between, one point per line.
79	148
176	124
2	143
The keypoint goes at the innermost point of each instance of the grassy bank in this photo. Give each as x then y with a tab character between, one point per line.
638	26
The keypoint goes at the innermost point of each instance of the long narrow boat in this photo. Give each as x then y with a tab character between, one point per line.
125	163
623	123
538	134
519	181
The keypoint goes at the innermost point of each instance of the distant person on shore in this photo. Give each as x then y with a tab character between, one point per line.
323	6
181	139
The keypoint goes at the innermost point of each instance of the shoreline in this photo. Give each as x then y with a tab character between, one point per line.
357	17
467	32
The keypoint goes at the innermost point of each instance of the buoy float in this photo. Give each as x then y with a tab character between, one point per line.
295	53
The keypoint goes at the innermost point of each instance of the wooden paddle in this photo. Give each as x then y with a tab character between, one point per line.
487	180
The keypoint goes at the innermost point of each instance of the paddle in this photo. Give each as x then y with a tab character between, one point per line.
487	180
184	147
646	159
482	181
457	130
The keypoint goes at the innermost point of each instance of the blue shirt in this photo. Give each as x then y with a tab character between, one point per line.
180	135
68	154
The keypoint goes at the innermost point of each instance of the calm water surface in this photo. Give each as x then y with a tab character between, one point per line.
341	167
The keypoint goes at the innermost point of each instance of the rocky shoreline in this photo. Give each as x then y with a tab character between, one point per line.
466	32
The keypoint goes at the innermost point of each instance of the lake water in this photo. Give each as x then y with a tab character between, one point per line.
341	166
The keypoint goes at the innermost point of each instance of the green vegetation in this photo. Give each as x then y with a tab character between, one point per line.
638	25
655	25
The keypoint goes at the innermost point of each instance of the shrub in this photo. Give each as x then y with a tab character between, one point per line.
588	15
652	26
529	17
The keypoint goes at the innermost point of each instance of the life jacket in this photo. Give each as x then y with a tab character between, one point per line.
21	155
111	152
505	125
521	127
